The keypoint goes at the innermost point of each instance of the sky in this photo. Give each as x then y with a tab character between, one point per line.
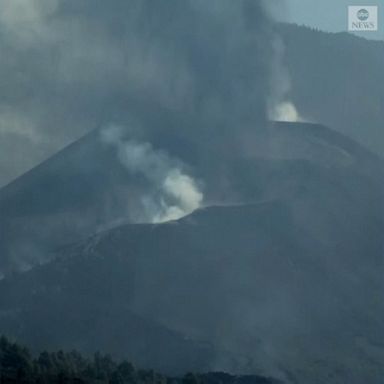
328	15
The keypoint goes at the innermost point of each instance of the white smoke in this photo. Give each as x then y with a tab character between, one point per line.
173	194
280	107
26	22
285	111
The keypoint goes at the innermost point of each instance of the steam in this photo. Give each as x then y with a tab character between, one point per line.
173	195
285	111
26	21
281	107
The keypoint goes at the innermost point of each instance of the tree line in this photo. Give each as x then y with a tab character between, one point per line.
17	365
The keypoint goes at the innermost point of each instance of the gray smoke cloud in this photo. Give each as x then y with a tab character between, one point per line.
68	67
196	78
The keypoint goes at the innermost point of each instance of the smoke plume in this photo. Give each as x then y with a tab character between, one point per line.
285	111
280	106
173	194
70	66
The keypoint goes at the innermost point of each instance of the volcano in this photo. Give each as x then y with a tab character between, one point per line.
279	273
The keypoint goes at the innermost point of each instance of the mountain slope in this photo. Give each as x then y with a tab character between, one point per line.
85	187
343	75
254	281
280	274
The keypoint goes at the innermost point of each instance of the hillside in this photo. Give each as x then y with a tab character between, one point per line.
337	80
279	273
255	284
85	188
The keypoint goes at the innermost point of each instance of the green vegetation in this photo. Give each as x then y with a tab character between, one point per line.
17	365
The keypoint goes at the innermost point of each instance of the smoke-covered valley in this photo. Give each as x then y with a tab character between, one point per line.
188	230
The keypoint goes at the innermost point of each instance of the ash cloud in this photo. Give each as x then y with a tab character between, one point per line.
69	67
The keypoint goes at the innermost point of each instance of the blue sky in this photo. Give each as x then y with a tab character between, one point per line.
329	15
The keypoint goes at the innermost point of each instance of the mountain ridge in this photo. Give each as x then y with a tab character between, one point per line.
85	187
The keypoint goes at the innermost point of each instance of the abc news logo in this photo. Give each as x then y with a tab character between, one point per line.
362	18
